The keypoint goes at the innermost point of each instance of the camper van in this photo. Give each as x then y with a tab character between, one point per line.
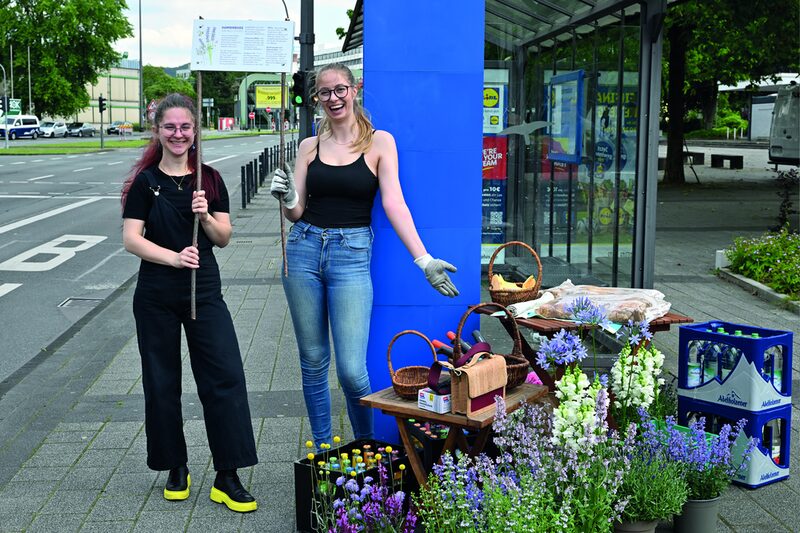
784	133
19	126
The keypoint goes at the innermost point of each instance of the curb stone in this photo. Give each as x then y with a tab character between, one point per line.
759	289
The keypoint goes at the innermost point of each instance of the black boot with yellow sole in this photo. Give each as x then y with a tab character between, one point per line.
178	483
228	489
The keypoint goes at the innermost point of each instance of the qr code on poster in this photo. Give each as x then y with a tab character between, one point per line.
495	218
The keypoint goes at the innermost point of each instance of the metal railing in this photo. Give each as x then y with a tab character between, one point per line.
255	172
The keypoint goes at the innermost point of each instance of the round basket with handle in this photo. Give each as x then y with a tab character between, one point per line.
520	294
407	381
517	366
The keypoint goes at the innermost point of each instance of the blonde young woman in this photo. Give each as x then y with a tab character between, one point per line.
329	289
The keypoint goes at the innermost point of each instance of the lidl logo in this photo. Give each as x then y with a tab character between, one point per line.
494	120
491	98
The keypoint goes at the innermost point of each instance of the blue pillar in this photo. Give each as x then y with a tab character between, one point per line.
423	81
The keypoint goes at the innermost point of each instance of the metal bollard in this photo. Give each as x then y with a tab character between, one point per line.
244	189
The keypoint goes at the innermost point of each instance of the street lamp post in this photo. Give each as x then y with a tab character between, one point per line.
5	111
141	81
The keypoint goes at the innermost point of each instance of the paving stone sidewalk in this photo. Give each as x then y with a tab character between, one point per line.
72	445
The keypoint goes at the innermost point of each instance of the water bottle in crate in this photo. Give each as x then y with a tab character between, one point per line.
735	365
769	461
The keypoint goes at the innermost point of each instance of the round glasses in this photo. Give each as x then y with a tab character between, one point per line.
340	91
172	129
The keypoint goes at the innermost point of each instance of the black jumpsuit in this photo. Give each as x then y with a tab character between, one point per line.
161	304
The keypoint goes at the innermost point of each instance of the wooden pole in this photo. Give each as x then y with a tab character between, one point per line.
199	181
281	164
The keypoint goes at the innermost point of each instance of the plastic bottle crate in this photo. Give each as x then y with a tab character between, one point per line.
746	383
769	461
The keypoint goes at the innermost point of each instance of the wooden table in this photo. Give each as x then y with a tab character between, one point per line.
391	404
550	326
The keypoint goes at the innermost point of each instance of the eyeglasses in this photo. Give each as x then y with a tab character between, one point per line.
172	129
340	91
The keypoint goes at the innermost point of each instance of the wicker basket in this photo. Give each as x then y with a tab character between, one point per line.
407	381
517	366
506	297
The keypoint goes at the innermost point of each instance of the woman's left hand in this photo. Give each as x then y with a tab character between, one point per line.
200	204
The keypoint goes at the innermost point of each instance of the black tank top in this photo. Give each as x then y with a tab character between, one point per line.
339	196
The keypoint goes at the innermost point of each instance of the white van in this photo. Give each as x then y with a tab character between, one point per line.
19	126
784	133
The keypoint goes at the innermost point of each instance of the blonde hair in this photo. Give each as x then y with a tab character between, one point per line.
363	140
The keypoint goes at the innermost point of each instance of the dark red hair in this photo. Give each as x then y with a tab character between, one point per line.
151	155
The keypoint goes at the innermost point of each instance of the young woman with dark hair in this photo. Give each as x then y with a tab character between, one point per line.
159	204
329	198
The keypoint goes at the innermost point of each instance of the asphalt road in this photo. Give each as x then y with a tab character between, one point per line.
61	248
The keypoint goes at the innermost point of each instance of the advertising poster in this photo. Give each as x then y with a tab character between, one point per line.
565	114
269	96
493	106
495	174
242	45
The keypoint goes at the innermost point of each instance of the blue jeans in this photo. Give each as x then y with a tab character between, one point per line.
329	283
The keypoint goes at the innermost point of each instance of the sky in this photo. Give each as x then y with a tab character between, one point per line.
167	24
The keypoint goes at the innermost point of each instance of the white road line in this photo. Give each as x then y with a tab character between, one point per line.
42	177
29	192
38	197
82	169
18	181
48	214
94	183
115	163
18	163
228	146
71	156
101	263
220	159
37	160
55	159
70	183
5	288
258	152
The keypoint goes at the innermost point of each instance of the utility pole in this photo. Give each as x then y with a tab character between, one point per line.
5	106
11	51
306	61
141	81
30	100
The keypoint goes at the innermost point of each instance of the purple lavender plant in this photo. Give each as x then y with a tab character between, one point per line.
708	463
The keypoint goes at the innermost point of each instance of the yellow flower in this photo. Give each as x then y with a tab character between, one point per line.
402	467
353	473
378	457
344	456
309	444
388	449
325	446
337	439
320	463
356	451
310	456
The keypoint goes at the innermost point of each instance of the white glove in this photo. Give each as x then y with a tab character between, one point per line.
283	188
434	270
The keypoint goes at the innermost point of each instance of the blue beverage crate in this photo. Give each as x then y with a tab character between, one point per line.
745	386
769	461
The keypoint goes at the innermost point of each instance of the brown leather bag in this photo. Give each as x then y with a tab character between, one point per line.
474	385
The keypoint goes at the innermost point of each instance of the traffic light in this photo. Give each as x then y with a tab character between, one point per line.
101	103
3	104
300	88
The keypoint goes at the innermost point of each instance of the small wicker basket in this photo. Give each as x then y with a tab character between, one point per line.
517	367
508	297
407	381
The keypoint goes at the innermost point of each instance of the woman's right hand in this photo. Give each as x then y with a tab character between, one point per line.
283	187
189	257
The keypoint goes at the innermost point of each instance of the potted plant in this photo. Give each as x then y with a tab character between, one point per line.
654	489
705	461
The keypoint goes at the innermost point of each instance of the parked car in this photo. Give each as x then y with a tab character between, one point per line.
114	127
80	129
20	126
53	128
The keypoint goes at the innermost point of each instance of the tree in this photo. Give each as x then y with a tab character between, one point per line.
157	84
712	42
70	45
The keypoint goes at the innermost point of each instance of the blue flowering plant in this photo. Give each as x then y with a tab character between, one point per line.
535	484
707	461
371	507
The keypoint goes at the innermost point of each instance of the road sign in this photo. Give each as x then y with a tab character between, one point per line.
269	110
14	107
208	102
152	105
252	115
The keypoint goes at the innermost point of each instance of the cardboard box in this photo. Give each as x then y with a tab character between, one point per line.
430	401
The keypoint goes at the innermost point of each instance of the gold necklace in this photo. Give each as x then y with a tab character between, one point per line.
178	184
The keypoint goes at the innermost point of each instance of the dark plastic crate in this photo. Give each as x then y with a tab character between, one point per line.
307	480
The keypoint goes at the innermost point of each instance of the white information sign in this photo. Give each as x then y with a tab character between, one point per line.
242	45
